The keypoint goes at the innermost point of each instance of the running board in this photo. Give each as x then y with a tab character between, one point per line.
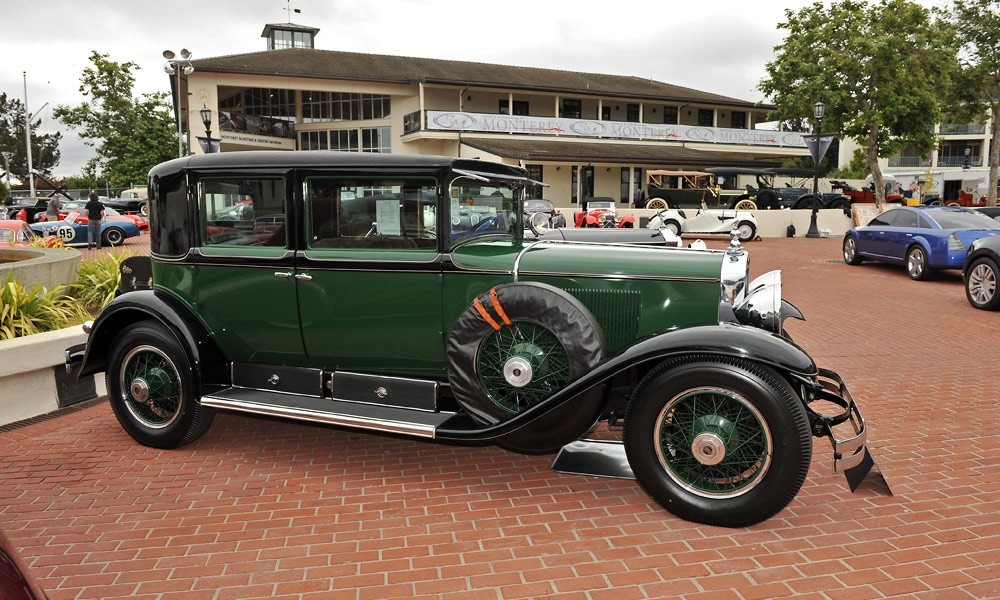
371	417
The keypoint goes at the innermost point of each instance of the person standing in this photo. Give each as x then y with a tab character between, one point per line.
95	215
52	209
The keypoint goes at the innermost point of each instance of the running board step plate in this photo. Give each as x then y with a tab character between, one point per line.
600	458
371	417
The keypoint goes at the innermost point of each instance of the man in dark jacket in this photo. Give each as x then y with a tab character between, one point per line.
95	215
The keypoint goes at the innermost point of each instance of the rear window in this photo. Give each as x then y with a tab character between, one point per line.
963	220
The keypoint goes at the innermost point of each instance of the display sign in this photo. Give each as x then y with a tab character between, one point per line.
488	123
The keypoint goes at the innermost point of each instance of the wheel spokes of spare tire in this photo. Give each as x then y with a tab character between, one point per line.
521	365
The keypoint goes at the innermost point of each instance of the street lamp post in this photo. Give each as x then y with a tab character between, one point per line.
819	109
174	66
206	118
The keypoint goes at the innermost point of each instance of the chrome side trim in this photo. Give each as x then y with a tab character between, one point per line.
314	416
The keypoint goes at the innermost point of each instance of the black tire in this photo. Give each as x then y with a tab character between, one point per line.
144	209
718	440
851	255
151	387
916	263
748	230
503	366
841	204
807	203
981	284
113	236
767	199
673	226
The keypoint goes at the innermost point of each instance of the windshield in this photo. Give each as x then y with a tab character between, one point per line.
483	208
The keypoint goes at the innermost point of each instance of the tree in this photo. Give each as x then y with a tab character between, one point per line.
879	69
44	148
130	135
976	93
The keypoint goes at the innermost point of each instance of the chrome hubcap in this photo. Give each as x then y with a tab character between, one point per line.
708	449
982	284
139	390
517	371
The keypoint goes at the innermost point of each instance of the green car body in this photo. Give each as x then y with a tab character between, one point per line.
398	294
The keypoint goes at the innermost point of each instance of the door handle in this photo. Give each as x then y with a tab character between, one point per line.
282	275
304	277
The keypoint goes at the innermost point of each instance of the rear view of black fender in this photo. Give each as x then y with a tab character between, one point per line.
132	307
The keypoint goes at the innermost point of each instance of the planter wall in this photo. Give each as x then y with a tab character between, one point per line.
33	376
46	266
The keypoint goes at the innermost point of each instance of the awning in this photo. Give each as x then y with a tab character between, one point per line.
646	154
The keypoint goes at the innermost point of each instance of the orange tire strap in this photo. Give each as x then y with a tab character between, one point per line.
496	305
485	315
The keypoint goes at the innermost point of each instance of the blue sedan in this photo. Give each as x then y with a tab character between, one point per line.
113	231
922	238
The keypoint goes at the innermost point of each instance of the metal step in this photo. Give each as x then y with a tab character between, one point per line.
372	417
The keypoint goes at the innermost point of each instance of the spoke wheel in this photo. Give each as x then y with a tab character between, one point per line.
717	440
981	285
713	442
151	387
657	204
521	365
745	205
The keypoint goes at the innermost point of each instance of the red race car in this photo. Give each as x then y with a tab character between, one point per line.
601	212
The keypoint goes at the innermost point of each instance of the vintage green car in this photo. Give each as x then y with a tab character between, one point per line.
396	294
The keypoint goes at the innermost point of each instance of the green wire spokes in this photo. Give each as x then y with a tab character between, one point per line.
535	344
727	420
151	386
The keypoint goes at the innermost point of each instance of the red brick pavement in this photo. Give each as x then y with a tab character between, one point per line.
266	509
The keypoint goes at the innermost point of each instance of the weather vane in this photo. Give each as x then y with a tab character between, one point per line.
291	10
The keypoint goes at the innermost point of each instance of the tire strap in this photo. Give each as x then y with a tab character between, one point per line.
485	315
496	305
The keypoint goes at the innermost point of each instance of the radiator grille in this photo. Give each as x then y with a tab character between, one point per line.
616	310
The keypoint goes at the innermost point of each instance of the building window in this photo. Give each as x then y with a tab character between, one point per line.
345	140
261	111
532	190
283	38
605	113
738	120
313	140
571	108
359	107
376	140
520	107
626	185
670	115
706	117
632	113
315	107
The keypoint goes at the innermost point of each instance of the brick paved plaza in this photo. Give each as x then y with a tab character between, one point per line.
266	509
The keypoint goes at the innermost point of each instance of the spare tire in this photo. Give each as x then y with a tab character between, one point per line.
518	344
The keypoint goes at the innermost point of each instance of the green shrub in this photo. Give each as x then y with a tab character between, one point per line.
25	311
99	278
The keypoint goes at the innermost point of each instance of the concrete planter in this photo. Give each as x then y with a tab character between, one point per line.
33	376
46	266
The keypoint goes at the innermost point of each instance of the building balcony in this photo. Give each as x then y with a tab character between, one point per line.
959	161
962	129
466	122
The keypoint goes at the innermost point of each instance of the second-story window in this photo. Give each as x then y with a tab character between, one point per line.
520	108
670	115
738	120
706	117
571	108
632	113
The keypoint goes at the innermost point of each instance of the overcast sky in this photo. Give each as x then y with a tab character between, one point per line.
718	46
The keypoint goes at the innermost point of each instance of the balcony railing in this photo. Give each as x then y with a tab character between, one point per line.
909	161
962	129
958	161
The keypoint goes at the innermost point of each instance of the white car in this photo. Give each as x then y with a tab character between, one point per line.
706	221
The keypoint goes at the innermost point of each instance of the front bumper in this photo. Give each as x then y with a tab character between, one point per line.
834	414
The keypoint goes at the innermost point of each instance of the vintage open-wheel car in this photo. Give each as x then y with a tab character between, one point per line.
398	295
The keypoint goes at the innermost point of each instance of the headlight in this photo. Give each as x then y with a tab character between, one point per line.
735	267
763	307
539	223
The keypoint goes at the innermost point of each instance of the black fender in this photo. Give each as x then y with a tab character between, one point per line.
207	360
586	393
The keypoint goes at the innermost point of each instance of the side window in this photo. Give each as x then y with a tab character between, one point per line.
371	213
243	211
